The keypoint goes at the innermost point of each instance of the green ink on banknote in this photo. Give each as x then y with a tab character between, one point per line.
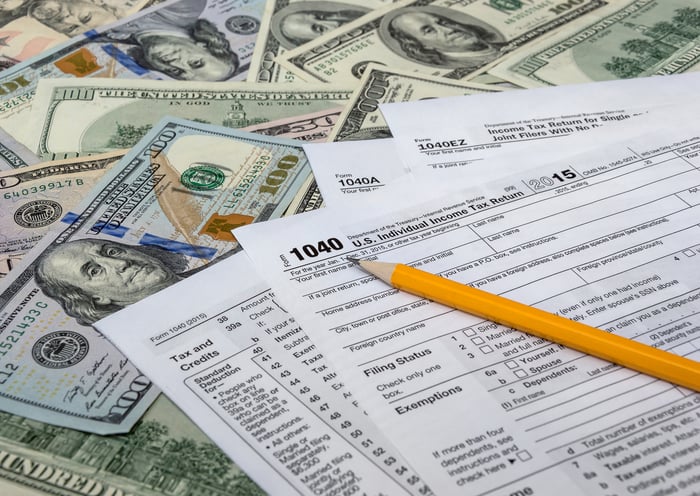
506	5
202	178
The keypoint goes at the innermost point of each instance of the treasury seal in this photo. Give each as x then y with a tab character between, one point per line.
203	177
242	24
60	349
38	213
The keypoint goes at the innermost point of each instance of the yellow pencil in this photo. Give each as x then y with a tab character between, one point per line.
626	352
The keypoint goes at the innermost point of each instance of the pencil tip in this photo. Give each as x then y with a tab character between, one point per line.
353	260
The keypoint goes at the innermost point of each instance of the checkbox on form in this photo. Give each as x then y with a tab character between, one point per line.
523	455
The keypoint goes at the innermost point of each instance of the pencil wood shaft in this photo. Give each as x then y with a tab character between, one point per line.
626	352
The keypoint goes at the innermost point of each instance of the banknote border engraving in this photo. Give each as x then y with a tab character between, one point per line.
529	66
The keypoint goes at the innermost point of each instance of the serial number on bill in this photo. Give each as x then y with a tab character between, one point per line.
31	190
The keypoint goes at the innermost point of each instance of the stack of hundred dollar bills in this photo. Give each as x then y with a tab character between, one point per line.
137	129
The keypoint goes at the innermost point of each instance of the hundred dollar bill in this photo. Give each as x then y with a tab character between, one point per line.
165	211
196	40
626	39
14	154
71	116
309	128
438	37
35	198
287	24
29	27
165	450
362	118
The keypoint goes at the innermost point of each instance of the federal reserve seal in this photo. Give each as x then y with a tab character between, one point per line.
38	213
60	349
202	177
242	24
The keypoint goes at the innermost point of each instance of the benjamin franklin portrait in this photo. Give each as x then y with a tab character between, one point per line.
70	17
440	37
301	22
175	41
92	278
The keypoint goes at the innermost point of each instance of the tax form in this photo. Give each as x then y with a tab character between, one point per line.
235	361
355	170
459	132
610	237
352	169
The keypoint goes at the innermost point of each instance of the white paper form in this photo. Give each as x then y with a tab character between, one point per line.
346	169
456	132
610	238
221	347
358	171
